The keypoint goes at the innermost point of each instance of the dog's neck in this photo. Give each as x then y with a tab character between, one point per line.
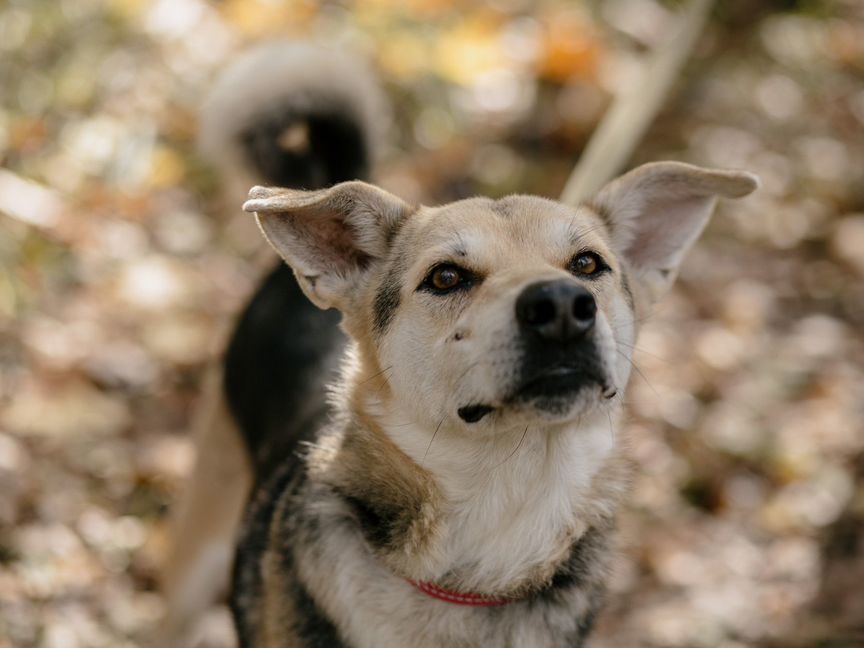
496	514
514	501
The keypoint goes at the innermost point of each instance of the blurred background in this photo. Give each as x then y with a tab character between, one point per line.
120	271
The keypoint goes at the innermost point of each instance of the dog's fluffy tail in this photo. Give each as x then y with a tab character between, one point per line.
293	114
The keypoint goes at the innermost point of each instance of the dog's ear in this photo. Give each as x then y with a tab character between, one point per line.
658	210
331	237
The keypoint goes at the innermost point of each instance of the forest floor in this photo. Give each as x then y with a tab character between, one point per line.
121	270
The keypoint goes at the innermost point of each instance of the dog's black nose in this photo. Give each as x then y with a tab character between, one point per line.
559	310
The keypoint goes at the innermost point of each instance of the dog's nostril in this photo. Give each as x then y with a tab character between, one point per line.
584	307
540	312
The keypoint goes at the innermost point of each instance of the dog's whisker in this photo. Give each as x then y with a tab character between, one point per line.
515	450
611	427
641	350
631	322
434	434
376	375
382	383
458	381
639	371
467	369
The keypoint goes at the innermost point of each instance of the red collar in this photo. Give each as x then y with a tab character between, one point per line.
458	598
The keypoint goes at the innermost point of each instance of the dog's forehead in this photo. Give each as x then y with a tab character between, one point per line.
518	223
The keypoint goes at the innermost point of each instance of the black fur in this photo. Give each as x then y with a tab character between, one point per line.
586	569
312	626
254	538
375	524
586	555
336	149
555	393
283	352
284	349
386	303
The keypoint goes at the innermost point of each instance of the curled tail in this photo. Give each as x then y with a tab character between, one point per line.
293	114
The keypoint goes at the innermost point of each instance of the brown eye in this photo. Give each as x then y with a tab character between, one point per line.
587	263
445	278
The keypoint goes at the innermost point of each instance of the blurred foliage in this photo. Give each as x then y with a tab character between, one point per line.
120	270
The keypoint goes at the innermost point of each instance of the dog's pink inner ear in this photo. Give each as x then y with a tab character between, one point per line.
316	239
664	230
658	210
331	236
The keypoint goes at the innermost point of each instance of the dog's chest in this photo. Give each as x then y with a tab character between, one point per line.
513	524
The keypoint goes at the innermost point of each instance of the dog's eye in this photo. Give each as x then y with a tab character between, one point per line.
446	277
587	263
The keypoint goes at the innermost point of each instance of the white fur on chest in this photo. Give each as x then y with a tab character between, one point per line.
511	502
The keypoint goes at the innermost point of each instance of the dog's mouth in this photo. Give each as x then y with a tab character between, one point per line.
555	388
557	381
547	389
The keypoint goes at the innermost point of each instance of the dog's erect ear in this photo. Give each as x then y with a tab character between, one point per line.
331	237
658	210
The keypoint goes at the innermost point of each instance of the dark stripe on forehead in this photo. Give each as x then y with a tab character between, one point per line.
387	296
386	302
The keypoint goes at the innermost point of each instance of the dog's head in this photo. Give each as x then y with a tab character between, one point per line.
493	312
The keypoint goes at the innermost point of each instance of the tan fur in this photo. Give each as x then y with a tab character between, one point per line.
367	464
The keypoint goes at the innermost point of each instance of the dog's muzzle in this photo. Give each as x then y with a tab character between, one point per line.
559	355
556	324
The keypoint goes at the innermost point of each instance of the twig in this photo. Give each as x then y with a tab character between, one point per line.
624	124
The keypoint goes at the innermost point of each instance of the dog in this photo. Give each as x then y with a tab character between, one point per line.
422	403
